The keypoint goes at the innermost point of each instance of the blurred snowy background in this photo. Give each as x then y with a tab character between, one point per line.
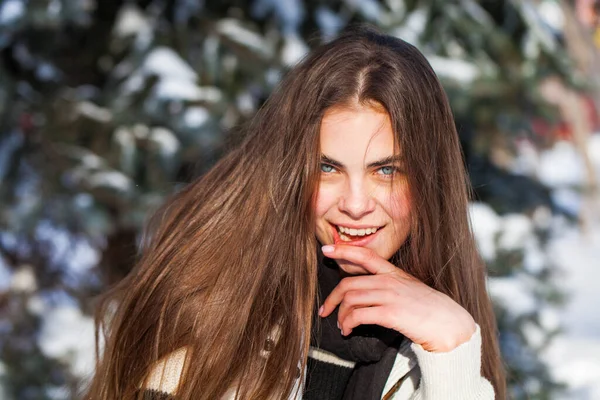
108	106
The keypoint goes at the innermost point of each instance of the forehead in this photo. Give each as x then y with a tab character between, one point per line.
359	133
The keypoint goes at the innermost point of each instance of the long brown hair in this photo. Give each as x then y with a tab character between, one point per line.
234	254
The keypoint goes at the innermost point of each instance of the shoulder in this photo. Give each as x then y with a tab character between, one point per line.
166	373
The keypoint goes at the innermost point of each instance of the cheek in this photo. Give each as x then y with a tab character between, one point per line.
397	206
401	206
325	200
400	212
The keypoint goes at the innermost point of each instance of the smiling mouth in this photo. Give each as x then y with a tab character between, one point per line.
352	235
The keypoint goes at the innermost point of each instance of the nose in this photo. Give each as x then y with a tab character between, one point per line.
356	201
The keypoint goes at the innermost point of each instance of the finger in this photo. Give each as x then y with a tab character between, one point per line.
364	298
363	282
362	256
378	315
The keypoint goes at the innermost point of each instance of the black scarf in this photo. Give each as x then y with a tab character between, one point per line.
373	348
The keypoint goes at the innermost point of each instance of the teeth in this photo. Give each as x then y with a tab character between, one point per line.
344	237
356	232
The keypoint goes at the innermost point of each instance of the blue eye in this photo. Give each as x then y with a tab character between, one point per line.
327	168
387	170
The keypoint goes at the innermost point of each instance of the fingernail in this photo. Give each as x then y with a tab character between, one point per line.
320	311
338	325
342	331
327	249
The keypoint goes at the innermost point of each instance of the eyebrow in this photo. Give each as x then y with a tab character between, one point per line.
375	164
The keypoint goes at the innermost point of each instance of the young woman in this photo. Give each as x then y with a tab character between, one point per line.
329	256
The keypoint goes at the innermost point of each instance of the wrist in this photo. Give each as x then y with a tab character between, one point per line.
457	333
453	375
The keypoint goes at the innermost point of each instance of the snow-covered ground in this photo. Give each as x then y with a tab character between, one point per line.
575	356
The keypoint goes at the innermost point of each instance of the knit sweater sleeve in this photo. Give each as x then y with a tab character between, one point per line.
164	377
455	375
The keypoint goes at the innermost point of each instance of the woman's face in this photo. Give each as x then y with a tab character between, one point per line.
363	197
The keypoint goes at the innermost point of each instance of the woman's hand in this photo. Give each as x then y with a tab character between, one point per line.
392	298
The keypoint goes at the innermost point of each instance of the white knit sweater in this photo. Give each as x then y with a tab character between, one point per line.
421	375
